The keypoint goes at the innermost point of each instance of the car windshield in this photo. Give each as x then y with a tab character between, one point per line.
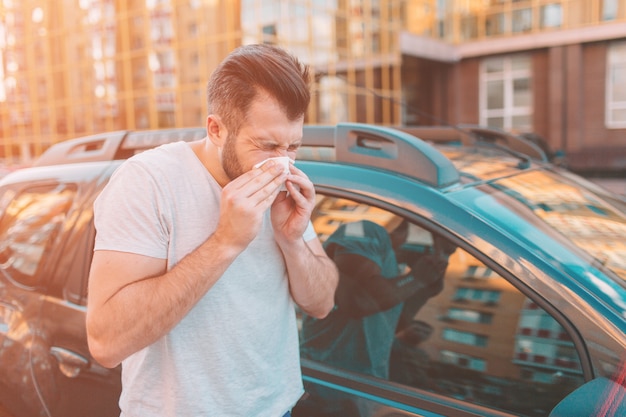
589	217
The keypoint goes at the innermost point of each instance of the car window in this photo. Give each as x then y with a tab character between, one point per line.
482	340
31	220
459	330
75	269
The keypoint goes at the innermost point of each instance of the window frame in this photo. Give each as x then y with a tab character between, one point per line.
614	64
508	75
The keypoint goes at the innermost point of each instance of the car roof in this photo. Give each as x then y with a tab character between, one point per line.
407	151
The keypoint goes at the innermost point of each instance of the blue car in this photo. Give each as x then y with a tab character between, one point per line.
477	278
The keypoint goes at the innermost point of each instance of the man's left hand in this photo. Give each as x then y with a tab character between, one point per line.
291	211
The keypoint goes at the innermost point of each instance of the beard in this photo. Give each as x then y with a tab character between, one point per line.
230	161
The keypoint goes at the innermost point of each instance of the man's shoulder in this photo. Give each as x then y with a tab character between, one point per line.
166	159
169	152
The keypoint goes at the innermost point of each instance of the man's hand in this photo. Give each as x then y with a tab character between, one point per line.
291	211
244	202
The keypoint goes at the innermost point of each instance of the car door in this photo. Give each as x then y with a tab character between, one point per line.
31	227
94	390
47	234
477	346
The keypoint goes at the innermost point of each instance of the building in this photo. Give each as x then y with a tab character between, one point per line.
553	68
72	68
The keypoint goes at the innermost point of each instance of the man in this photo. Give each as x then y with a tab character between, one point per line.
200	257
373	289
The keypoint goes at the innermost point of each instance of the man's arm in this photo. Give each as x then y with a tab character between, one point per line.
133	302
364	291
313	277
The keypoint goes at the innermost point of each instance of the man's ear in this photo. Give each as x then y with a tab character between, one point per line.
216	131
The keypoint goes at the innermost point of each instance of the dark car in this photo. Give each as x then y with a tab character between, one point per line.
529	311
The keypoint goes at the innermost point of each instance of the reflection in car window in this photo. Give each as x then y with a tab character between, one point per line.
388	270
594	224
465	333
28	227
492	345
80	240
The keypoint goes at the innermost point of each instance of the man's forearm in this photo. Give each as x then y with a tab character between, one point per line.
365	290
313	279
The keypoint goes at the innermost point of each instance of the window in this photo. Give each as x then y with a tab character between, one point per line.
522	20
506	93
463	361
616	86
333	100
29	227
477	294
386	276
80	242
464	337
465	332
609	9
472	316
495	24
551	16
268	34
492	343
469	27
479	272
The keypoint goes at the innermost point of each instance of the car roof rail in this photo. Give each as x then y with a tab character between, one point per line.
386	148
97	147
354	143
114	145
469	134
439	134
504	138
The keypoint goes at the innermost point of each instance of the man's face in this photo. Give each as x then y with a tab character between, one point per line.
399	235
266	133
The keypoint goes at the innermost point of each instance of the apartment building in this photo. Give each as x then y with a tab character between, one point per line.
555	68
72	68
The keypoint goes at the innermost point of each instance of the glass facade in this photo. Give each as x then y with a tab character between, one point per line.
72	68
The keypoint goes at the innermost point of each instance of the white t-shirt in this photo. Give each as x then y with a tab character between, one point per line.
236	352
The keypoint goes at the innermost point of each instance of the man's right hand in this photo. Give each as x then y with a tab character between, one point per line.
244	202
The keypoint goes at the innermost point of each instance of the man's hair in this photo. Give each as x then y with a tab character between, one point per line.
251	70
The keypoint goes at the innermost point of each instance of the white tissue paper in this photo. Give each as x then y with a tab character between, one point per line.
283	160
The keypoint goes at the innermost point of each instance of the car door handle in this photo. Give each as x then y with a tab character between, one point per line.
70	363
